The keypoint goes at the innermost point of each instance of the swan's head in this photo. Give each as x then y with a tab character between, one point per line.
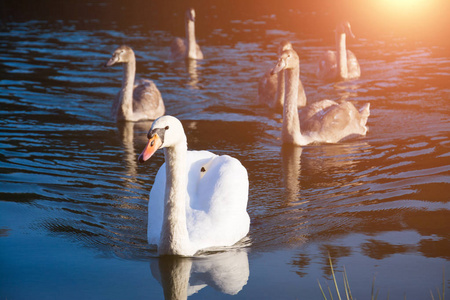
284	45
345	27
122	54
287	60
166	132
190	15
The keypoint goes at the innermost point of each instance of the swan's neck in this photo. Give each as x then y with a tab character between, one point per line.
174	235
342	55
126	94
291	133
280	89
191	42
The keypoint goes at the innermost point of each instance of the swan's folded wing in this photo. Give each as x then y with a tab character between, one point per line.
267	89
147	99
177	49
312	109
353	67
327	68
218	215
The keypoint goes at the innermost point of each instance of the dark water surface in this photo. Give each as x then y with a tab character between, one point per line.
73	200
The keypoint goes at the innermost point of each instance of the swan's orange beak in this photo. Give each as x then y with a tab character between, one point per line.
153	144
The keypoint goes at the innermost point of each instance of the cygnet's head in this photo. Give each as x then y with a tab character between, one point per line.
287	60
284	45
166	132
123	54
344	27
190	15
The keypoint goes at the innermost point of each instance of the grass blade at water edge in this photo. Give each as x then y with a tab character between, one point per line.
334	277
323	294
347	284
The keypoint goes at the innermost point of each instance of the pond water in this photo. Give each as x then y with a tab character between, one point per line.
73	200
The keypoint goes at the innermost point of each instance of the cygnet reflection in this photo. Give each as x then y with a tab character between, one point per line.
191	66
291	160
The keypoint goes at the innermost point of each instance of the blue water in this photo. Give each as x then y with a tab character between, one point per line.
73	200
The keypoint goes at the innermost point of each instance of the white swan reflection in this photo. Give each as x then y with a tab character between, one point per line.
181	277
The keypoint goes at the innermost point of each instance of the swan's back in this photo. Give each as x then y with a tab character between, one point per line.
178	49
312	109
328	68
335	122
267	89
147	100
216	203
354	70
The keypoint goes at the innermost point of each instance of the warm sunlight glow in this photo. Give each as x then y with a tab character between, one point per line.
405	6
411	15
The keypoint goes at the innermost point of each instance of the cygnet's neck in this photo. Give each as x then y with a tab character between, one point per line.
341	49
280	89
191	41
291	133
126	94
174	239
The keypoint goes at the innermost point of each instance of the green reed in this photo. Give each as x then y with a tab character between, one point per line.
374	294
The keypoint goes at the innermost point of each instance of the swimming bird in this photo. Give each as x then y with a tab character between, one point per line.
325	121
140	100
188	47
270	83
342	63
198	200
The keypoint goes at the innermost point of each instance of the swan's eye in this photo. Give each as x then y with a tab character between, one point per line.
166	128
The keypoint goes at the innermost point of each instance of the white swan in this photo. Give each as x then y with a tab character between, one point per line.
270	83
342	63
198	200
188	47
140	100
324	121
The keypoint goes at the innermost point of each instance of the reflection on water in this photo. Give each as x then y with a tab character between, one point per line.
291	160
375	203
181	277
191	66
133	136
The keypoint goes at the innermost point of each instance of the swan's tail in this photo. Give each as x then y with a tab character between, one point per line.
365	113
